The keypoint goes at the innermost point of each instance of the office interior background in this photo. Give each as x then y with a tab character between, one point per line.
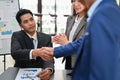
50	17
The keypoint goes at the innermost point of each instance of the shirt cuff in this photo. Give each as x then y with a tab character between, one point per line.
31	54
52	71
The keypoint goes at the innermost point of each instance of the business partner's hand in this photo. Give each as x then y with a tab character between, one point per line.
60	39
41	52
44	74
47	53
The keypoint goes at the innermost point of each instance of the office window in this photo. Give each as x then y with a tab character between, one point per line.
48	22
29	4
53	11
53	19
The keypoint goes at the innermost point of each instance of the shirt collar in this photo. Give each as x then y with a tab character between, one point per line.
34	36
78	20
92	9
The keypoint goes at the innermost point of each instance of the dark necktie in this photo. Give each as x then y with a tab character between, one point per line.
32	41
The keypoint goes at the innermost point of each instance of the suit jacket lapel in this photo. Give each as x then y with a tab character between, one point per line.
79	28
27	40
70	24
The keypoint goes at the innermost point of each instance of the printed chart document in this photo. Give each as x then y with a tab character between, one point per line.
28	74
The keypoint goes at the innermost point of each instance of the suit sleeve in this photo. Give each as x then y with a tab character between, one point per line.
69	49
16	49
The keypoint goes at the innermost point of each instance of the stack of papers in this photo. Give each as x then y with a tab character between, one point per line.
28	74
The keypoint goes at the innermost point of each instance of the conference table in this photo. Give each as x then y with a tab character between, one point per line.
11	72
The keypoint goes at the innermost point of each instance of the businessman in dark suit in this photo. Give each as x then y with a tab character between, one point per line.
98	50
26	44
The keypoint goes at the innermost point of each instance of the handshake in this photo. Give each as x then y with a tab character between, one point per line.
46	53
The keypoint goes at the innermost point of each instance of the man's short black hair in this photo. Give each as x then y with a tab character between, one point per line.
22	12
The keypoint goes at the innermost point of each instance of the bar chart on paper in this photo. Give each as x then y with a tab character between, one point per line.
28	74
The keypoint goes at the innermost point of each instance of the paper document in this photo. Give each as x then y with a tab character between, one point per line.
28	74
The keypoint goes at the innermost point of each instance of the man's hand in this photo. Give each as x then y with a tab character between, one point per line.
38	52
47	53
44	75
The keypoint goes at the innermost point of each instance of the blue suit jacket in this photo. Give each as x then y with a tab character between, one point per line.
98	49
